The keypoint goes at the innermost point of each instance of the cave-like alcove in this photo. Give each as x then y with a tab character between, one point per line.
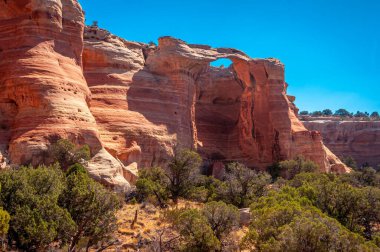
217	111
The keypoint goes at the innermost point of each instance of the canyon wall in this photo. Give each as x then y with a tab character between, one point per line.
147	99
44	95
358	139
133	103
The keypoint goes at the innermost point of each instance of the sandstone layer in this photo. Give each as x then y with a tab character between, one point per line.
153	98
44	95
358	139
133	103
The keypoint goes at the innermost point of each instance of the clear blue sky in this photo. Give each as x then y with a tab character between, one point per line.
331	48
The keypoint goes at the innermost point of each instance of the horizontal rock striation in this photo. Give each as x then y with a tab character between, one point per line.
133	103
44	95
171	95
358	139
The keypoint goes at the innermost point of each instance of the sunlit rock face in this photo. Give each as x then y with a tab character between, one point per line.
148	99
133	103
44	95
360	139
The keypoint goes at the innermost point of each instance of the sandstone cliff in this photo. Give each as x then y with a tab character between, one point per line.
132	103
44	95
358	139
148	99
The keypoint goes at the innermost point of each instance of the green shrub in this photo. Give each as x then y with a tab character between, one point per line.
4	223
67	154
221	217
205	189
289	168
182	173
356	208
241	185
91	206
194	229
49	209
153	183
31	198
286	221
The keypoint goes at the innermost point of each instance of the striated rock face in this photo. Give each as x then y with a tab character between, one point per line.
360	139
155	98
132	103
44	95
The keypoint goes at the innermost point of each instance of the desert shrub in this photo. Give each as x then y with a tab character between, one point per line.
289	168
153	182
361	114
31	198
366	176
49	208
342	113
317	113
4	223
242	185
222	217
182	172
194	230
356	208
67	154
286	221
178	179
92	208
205	189
350	162
375	115
327	112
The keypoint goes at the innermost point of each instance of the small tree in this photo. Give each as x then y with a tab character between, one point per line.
221	217
289	168
350	162
153	182
182	172
361	114
194	229
316	113
342	113
31	197
242	185
327	112
65	152
304	112
375	115
92	207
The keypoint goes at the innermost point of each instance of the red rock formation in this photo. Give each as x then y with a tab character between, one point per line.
239	113
358	139
128	102
139	101
44	95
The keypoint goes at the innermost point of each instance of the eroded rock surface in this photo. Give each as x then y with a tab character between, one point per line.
358	139
132	103
159	97
44	95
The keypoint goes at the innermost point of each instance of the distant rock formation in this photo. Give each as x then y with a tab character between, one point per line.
133	102
358	139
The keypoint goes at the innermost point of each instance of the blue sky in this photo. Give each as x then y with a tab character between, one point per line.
331	48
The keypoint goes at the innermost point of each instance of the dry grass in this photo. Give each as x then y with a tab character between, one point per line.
151	226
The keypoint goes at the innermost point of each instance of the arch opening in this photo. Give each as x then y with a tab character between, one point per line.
221	63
